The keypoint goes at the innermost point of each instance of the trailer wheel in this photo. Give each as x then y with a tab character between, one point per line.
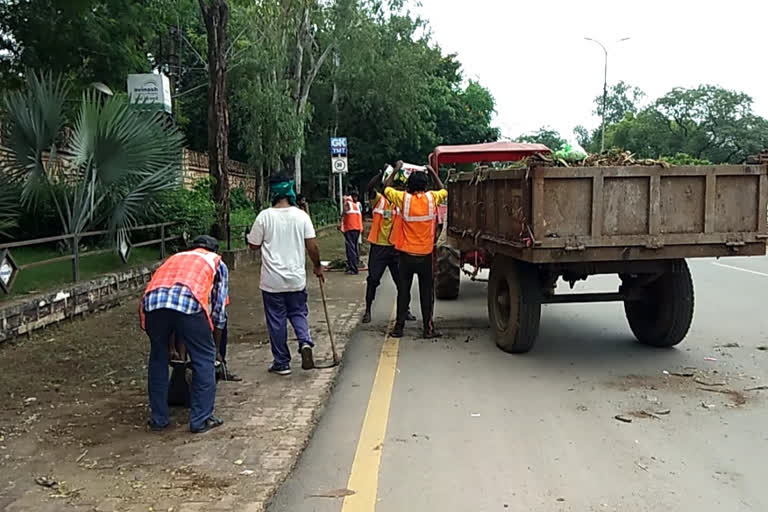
514	304
448	273
664	314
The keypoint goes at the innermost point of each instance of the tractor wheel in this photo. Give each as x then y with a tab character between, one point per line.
663	314
448	273
514	304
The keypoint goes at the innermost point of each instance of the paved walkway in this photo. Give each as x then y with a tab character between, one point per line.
81	422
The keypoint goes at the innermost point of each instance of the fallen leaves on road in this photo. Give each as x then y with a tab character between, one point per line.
623	419
336	493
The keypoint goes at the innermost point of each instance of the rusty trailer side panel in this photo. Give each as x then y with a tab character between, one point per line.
555	214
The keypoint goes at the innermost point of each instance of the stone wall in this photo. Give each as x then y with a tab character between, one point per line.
195	168
29	314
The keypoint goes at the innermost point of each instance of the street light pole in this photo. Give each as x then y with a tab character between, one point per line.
605	88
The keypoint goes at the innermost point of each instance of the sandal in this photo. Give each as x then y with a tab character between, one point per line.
210	423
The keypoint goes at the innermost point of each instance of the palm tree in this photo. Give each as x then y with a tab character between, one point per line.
100	169
9	205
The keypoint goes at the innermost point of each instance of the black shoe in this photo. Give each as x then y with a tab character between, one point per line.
280	370
431	333
307	361
154	427
210	423
397	332
367	316
409	317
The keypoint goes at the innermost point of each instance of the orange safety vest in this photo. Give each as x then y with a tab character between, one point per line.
379	211
417	231
195	269
353	217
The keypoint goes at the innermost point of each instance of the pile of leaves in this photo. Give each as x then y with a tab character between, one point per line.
611	158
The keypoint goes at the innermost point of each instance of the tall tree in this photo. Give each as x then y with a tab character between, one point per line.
544	135
86	40
622	99
216	17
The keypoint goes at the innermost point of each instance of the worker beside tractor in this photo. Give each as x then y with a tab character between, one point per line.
414	239
383	254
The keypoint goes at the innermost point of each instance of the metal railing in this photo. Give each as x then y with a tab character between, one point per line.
9	269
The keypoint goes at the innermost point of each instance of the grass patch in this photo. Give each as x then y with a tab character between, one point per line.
41	279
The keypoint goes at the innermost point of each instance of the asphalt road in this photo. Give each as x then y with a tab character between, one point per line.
470	428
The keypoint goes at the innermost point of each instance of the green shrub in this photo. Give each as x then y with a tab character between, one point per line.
238	200
324	212
193	211
240	220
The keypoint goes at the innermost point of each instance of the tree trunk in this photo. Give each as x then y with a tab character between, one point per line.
216	17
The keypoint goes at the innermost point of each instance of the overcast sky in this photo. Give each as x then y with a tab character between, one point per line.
533	57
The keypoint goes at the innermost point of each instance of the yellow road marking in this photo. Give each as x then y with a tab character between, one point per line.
364	477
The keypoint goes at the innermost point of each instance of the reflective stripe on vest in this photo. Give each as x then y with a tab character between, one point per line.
195	269
353	218
379	213
417	230
407	217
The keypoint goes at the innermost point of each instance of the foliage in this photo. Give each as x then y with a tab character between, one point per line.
98	170
685	159
324	213
238	200
544	135
622	99
9	206
193	211
709	123
368	70
95	40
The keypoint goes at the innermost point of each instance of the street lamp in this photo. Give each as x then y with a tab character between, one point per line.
605	87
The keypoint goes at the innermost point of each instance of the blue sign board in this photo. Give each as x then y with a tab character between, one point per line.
338	145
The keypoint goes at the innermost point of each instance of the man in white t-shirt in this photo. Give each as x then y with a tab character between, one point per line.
283	233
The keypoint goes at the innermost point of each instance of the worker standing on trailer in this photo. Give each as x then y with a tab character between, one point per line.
415	241
352	226
383	254
186	296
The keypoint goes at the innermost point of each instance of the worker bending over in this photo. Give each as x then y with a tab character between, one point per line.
352	226
414	238
283	233
383	254
186	296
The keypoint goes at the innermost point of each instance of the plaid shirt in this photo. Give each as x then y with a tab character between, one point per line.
179	298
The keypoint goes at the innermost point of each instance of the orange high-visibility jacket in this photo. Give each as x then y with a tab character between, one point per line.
353	217
417	232
195	269
383	208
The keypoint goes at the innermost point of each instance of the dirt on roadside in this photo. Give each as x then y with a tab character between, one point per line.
75	411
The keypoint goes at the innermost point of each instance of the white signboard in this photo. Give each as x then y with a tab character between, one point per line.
150	89
339	164
6	271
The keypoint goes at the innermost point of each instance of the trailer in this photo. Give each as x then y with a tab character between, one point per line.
535	223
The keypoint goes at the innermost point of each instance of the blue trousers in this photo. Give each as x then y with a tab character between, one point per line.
196	333
279	307
351	238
